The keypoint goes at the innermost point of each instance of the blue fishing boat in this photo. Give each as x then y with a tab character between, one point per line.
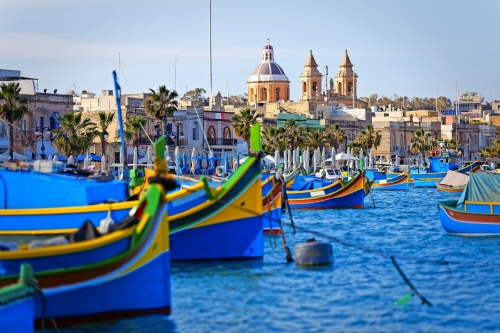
477	212
90	277
17	303
426	182
317	193
439	166
401	182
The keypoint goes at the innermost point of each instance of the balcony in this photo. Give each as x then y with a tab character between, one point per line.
222	142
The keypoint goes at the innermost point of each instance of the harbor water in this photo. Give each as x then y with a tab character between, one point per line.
356	293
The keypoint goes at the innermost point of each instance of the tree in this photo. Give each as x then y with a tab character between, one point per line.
419	143
105	119
355	145
242	122
132	127
294	134
162	104
315	138
196	94
335	135
272	139
12	108
75	135
369	138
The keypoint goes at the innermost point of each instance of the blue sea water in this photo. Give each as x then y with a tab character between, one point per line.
356	293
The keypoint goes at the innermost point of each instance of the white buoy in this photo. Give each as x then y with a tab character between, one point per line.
313	253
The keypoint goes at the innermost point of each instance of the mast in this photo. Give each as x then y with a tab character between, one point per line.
353	86
210	46
175	74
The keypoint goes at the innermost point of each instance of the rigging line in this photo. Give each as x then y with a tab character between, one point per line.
122	71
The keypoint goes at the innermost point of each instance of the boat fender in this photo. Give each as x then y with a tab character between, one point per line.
313	253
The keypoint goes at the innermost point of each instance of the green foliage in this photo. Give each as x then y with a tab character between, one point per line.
132	127
272	139
196	94
105	119
356	146
75	135
369	138
294	134
242	122
415	103
335	135
12	109
161	104
236	100
314	138
421	142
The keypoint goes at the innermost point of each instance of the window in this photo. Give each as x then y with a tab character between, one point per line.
195	131
23	125
264	94
315	86
251	95
304	87
227	133
211	132
349	87
42	122
277	94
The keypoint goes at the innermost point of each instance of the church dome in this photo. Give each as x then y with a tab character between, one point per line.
268	69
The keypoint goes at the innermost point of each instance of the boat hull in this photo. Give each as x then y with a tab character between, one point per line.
18	316
351	195
455	221
429	182
401	182
440	175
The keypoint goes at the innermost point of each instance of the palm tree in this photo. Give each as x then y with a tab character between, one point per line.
495	147
335	135
420	141
315	138
294	134
356	145
12	108
133	126
162	105
242	122
105	119
272	139
75	135
369	138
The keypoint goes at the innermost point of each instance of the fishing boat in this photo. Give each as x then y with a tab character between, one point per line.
380	181
439	166
88	277
401	182
426	182
316	193
272	188
205	223
453	183
17	303
477	212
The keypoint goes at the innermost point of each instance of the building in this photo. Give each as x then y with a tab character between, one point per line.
32	133
310	80
268	82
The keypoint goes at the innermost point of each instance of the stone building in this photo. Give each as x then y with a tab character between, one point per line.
32	133
310	80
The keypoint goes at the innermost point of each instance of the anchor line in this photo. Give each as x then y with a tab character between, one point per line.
407	281
388	255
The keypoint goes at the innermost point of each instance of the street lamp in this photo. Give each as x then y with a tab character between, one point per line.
40	134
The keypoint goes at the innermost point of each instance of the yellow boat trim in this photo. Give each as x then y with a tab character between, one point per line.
318	189
70	248
144	219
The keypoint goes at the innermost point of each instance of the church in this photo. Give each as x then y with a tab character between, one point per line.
269	83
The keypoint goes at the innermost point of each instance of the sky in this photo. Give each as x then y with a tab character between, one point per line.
408	48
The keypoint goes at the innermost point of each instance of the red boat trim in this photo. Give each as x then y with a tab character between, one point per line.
471	217
101	317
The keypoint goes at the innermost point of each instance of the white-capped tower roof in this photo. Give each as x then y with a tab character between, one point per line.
268	69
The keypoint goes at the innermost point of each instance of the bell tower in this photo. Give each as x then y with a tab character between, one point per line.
310	80
346	80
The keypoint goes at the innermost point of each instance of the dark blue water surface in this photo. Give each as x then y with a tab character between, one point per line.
356	293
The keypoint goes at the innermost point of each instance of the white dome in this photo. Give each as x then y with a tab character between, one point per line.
268	69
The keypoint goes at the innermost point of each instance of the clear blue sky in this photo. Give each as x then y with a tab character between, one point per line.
411	48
